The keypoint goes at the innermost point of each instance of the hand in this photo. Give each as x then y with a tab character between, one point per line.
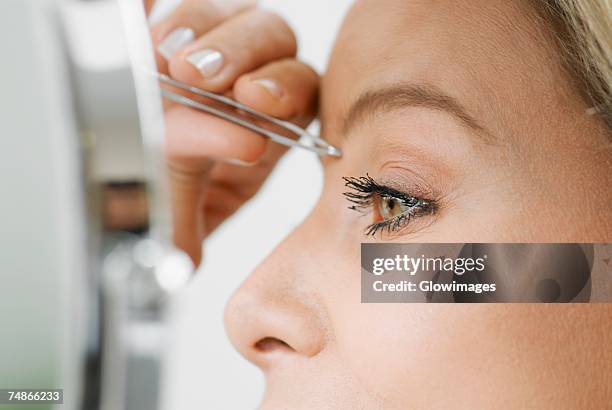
248	53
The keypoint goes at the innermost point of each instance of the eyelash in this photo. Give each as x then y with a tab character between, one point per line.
365	191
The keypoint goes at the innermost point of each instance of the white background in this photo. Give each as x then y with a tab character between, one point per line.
204	371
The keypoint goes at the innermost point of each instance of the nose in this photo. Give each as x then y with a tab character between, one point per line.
276	314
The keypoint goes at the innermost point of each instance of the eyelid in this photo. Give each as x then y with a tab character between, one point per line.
407	182
367	185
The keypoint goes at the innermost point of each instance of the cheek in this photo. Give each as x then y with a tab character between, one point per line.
406	353
417	354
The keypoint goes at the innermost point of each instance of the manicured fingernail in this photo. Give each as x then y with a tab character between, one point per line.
241	163
174	41
207	61
271	86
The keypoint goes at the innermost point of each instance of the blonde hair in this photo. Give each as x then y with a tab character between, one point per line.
583	32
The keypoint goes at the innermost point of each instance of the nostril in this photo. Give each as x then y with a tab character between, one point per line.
270	344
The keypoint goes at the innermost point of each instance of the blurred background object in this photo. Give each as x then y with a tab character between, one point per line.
87	268
91	288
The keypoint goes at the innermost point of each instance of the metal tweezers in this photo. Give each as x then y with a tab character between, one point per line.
305	139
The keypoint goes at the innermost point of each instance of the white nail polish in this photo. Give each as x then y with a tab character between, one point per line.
241	163
271	86
174	41
207	61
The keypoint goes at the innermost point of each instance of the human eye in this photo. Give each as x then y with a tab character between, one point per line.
392	209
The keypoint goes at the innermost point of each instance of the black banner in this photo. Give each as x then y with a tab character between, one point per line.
486	273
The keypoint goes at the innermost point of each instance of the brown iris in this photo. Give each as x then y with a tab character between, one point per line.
390	207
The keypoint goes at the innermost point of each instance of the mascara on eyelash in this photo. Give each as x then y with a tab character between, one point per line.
367	187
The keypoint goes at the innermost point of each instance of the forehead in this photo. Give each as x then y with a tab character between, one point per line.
488	54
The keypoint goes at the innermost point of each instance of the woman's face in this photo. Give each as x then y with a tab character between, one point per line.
462	108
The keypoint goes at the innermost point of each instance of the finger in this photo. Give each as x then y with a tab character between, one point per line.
238	46
193	136
286	89
190	20
223	198
193	141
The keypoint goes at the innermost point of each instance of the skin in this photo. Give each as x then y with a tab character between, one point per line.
520	163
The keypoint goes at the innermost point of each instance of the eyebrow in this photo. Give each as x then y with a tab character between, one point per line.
400	96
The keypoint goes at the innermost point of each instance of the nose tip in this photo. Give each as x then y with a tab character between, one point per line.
267	327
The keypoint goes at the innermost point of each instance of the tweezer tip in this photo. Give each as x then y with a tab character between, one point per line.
333	151
329	149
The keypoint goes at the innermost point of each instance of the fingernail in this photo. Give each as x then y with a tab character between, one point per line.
271	86
241	163
207	61
174	41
